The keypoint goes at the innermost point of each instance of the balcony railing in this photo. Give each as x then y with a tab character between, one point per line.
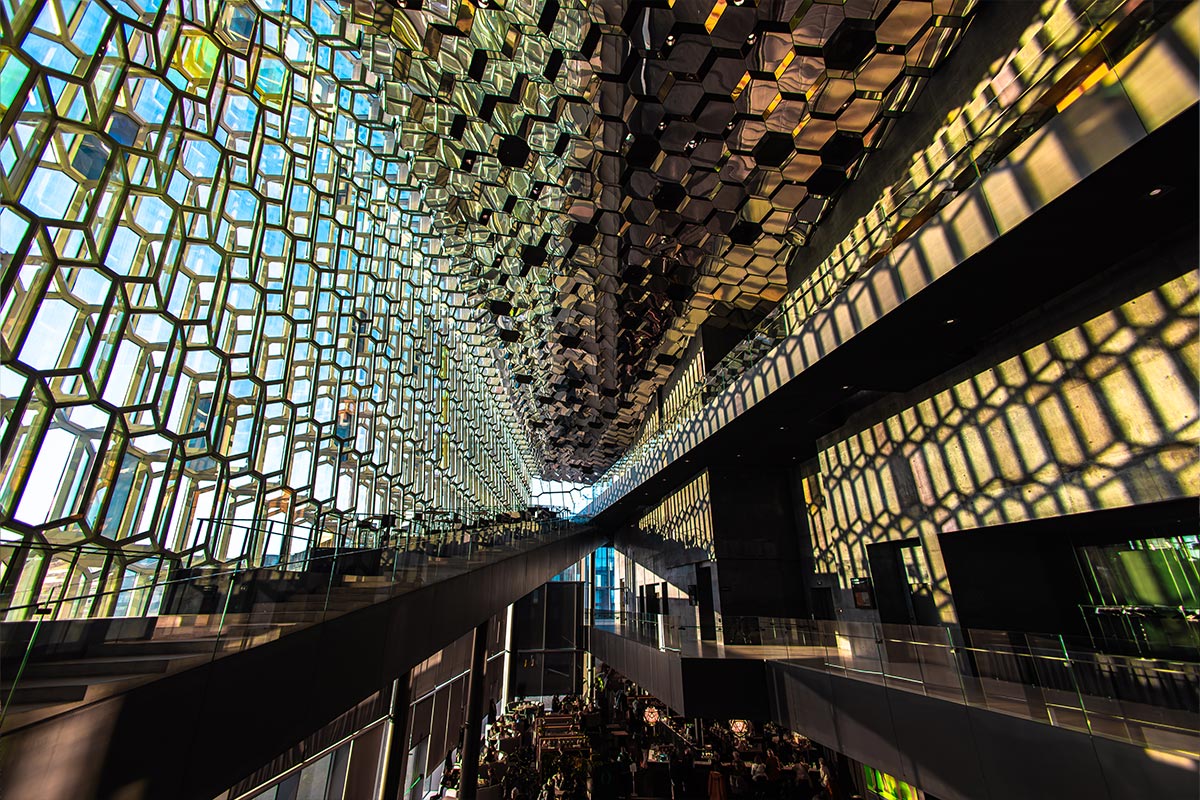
1054	680
177	612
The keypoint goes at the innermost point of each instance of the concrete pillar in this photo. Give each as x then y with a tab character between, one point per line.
758	549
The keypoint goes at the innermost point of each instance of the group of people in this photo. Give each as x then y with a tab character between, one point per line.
511	766
767	777
626	756
780	766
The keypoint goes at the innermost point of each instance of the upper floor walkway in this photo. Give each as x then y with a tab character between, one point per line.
941	707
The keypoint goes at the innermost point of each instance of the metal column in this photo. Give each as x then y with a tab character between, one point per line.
469	780
395	753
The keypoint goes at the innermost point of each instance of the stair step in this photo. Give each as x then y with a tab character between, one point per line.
17	709
28	693
150	647
288	611
367	580
44	690
36	690
84	667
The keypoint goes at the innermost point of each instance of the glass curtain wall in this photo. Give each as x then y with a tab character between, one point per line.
1145	592
223	296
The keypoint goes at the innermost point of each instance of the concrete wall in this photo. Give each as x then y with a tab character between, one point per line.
1103	415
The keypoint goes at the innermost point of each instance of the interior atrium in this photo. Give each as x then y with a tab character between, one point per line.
556	399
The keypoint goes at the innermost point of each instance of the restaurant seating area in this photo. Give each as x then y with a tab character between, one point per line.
619	743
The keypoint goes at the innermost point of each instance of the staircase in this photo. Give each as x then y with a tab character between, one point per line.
49	669
183	705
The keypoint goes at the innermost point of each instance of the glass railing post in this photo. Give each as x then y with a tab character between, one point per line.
1071	668
221	632
333	568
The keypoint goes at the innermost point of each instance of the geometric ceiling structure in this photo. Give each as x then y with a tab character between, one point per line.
608	176
299	260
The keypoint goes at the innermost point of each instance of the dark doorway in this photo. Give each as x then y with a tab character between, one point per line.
903	583
704	602
822	603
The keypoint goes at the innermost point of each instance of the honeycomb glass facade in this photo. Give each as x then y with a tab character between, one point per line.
224	295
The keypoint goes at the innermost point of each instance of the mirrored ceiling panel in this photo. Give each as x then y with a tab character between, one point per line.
609	176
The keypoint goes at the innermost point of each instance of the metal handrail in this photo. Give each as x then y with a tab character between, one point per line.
1041	677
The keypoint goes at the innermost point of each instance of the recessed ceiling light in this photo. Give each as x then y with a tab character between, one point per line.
951	321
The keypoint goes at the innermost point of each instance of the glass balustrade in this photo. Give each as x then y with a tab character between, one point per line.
1055	680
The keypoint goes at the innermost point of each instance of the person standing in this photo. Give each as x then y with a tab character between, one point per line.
772	763
493	712
826	777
